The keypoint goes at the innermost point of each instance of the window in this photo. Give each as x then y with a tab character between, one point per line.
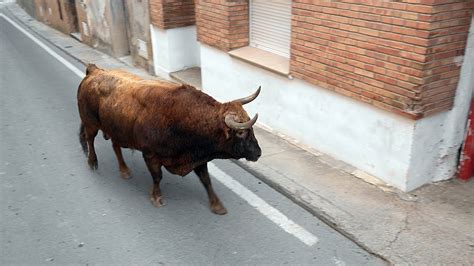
270	26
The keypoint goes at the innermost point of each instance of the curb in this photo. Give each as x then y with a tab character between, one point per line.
318	213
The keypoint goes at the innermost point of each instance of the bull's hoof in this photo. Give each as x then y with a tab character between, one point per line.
125	174
93	164
157	201
218	209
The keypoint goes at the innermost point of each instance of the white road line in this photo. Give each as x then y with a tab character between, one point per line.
270	212
74	69
255	201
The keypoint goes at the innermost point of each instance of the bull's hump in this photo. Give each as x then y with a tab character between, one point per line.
129	78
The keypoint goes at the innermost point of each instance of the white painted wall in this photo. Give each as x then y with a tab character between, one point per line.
401	152
174	49
438	138
373	140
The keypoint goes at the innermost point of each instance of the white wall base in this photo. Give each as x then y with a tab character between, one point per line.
174	49
368	138
438	138
400	151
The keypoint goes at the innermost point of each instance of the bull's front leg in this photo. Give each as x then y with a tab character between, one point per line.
215	203
154	166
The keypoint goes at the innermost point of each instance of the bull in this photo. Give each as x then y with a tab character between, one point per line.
175	126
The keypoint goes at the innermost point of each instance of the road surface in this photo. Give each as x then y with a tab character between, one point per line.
54	209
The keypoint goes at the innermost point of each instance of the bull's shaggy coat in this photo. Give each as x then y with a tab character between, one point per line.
173	125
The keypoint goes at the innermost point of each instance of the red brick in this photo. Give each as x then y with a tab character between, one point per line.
396	55
222	23
170	14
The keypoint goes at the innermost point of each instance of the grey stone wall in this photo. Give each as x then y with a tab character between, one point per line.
138	28
103	25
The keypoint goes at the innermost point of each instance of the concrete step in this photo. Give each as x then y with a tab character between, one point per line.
191	76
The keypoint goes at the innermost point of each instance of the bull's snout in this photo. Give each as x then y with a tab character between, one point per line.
255	155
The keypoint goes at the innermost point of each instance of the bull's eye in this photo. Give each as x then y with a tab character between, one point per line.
242	134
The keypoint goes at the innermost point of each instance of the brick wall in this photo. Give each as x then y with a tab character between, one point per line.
41	10
223	24
167	14
60	14
401	56
68	18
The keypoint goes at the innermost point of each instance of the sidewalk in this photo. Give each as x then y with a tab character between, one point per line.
432	225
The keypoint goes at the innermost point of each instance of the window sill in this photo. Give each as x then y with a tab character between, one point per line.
267	60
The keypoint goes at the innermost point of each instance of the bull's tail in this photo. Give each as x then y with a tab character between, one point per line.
82	139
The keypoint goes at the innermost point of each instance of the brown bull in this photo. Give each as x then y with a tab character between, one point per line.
173	125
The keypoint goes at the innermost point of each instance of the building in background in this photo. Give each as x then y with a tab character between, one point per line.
59	14
103	25
119	28
385	86
379	86
139	36
173	32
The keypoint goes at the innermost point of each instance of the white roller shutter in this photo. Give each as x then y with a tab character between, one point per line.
270	25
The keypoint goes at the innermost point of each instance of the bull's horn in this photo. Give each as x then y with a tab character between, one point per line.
249	98
230	122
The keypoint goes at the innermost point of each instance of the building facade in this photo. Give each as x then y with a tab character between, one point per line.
382	85
59	14
173	32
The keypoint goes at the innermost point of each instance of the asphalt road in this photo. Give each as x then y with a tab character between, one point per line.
55	210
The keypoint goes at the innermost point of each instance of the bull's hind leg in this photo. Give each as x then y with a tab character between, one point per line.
124	172
215	203
154	166
90	133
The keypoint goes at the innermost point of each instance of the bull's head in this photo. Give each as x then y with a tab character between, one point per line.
239	131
